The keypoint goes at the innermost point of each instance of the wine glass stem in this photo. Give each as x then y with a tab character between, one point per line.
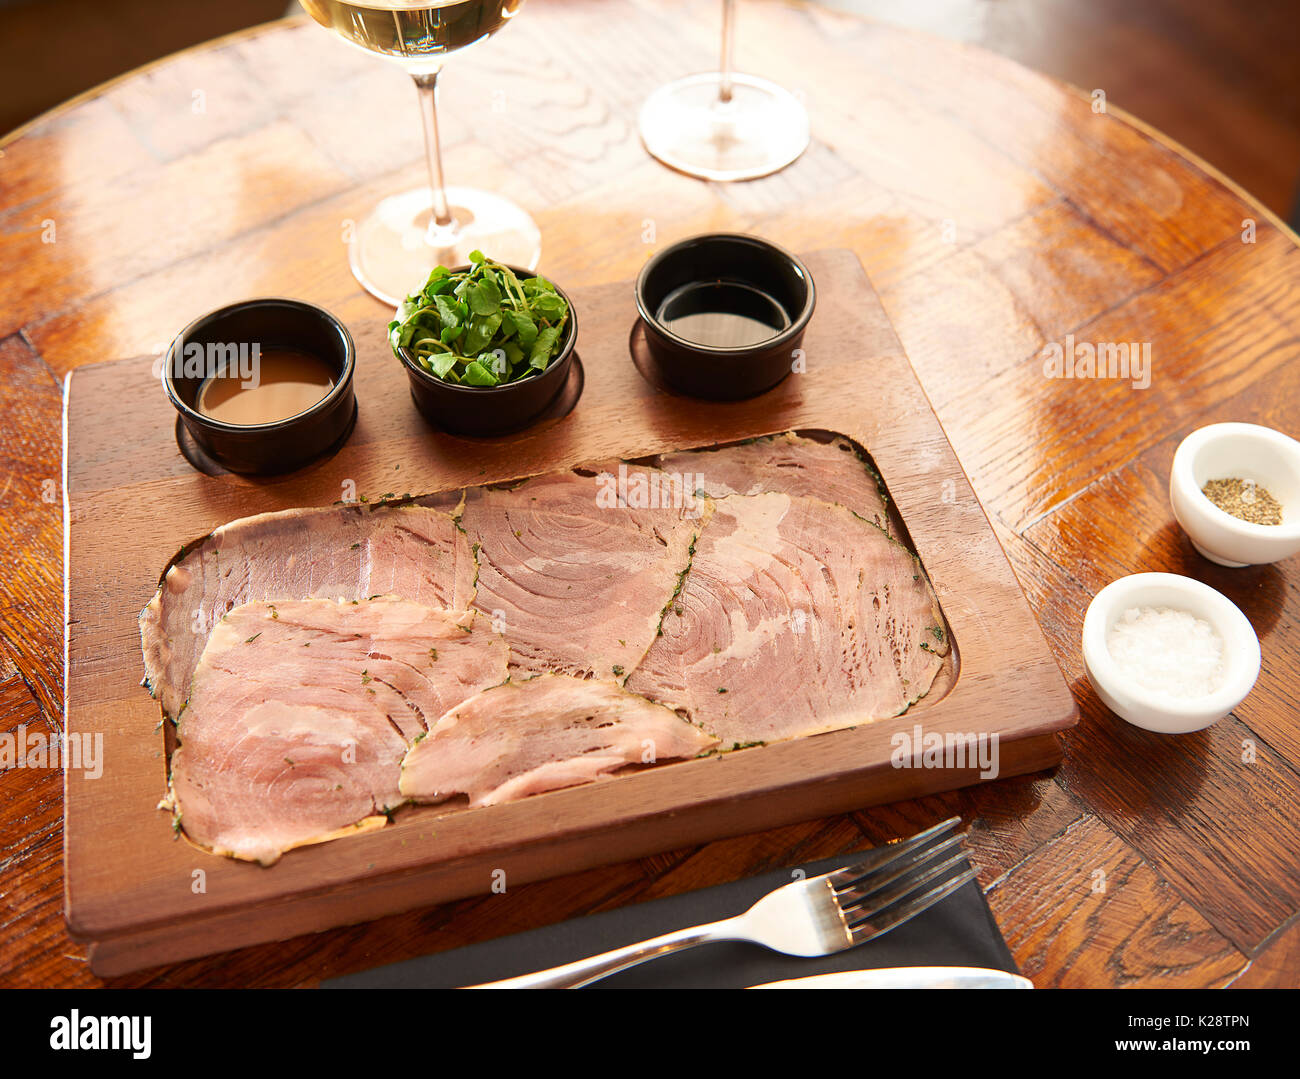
442	226
728	41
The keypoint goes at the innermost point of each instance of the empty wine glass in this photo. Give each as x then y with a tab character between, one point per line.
394	249
722	125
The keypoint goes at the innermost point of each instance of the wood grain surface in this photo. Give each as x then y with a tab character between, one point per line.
995	212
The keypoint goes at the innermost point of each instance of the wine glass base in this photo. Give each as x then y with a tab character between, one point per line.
688	127
391	256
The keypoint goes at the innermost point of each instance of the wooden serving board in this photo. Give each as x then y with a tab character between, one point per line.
141	896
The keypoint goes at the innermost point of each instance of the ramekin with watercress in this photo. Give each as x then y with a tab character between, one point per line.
483	325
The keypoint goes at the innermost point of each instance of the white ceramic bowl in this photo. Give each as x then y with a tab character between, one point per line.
1245	451
1150	709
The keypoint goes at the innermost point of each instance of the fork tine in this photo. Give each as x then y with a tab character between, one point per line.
886	897
887	854
909	866
869	930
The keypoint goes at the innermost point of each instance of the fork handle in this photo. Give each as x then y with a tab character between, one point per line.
584	971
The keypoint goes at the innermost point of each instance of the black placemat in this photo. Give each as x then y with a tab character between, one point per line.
960	931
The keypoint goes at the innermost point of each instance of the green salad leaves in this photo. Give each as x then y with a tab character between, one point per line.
483	326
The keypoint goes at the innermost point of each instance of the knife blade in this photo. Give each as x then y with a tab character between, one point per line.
907	978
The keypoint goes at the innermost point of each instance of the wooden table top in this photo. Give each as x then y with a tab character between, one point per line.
995	210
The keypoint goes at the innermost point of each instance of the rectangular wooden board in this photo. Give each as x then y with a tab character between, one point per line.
141	897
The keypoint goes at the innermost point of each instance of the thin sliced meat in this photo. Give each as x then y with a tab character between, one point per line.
796	616
542	734
788	464
302	711
348	552
574	577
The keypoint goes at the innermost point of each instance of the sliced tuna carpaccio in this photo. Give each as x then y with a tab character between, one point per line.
786	464
575	578
542	734
348	552
302	711
796	616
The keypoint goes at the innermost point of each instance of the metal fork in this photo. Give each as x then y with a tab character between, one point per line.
817	916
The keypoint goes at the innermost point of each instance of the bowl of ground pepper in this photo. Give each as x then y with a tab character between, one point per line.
1235	490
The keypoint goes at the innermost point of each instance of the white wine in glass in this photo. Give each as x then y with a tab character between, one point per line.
394	249
722	125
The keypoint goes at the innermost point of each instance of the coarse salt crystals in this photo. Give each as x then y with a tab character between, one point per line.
1168	651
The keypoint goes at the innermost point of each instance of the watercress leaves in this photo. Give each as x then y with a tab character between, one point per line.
540	354
483	326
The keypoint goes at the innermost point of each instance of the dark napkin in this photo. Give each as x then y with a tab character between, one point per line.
958	932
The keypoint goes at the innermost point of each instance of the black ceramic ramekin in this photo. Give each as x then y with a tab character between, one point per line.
715	372
485	411
265	447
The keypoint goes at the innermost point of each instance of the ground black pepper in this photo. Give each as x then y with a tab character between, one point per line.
1244	499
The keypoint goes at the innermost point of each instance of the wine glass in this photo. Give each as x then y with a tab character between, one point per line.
394	249
722	125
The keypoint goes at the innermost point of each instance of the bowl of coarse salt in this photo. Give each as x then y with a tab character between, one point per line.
1235	489
1168	653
